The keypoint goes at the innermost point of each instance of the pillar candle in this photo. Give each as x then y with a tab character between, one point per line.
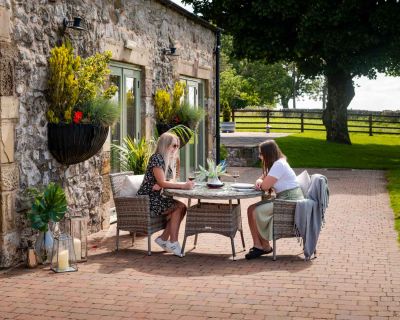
63	260
78	249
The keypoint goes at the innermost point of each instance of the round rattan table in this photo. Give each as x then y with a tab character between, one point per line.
214	217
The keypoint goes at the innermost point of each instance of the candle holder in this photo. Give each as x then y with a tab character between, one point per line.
63	254
77	228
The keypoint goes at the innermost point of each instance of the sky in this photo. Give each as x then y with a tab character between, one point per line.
383	93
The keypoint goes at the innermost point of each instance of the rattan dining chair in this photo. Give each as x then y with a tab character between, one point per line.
283	226
133	213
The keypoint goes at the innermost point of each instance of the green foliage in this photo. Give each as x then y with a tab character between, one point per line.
74	83
223	152
167	105
189	115
338	40
64	88
100	111
214	170
226	111
134	155
183	132
48	205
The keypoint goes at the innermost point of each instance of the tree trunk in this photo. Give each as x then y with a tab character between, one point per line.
285	103
340	94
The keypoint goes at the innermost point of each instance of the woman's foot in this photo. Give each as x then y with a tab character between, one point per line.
175	248
162	243
256	252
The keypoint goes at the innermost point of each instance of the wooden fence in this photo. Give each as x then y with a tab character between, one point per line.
311	120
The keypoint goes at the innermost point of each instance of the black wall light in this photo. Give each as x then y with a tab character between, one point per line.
75	24
170	51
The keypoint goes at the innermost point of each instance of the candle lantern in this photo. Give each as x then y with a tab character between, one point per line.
77	228
63	254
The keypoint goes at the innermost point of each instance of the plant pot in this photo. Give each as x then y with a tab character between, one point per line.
74	143
227	126
44	247
163	127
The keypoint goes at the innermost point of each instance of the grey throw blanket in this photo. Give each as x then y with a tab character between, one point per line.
309	215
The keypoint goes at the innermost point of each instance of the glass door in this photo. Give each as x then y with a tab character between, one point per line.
128	97
193	153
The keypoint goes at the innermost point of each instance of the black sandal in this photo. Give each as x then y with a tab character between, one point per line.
255	253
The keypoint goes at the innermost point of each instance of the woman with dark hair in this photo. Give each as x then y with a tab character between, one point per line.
277	174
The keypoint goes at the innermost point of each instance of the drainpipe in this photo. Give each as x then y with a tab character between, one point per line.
217	133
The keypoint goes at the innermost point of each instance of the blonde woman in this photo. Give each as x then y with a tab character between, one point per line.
277	174
160	173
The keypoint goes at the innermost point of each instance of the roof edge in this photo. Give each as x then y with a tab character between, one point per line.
190	15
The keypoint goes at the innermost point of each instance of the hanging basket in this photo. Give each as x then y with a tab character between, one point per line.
74	143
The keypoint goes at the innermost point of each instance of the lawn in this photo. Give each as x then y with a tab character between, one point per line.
311	150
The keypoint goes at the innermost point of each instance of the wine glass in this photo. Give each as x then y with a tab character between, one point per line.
235	175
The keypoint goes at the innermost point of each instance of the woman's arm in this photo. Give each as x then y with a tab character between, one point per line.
266	183
163	183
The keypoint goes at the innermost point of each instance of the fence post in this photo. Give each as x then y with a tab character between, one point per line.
370	125
233	115
302	122
267	116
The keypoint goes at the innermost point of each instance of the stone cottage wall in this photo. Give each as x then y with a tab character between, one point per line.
136	31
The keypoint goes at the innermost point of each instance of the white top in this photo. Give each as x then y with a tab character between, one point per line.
285	175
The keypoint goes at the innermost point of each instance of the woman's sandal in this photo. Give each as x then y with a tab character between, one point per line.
255	253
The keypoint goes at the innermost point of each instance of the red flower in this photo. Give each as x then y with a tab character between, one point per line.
78	116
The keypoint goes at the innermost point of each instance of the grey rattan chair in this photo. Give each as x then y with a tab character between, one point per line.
283	226
133	213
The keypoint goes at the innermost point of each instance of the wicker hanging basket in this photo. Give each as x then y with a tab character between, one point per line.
74	143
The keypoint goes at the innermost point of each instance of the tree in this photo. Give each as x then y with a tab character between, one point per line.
336	39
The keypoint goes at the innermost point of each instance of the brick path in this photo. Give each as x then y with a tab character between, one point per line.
356	274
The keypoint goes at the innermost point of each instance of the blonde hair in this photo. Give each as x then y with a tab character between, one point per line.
164	142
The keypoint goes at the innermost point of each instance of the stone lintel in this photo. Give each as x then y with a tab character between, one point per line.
9	107
9	177
7	142
130	55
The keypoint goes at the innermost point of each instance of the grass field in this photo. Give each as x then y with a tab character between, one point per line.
311	150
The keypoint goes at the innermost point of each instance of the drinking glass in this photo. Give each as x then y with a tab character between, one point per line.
192	176
235	175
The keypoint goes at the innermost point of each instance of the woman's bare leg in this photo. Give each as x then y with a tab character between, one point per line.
258	241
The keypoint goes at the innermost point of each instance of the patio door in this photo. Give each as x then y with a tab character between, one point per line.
127	79
193	153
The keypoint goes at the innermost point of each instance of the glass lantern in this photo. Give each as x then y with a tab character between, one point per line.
63	255
77	228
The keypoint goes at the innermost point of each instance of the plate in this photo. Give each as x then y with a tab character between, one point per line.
243	185
215	186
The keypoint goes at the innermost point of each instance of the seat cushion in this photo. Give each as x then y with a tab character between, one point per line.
304	181
130	185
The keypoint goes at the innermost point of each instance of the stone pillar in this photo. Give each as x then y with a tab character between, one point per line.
9	174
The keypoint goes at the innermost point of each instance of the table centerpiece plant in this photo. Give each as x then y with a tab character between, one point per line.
214	171
80	108
48	206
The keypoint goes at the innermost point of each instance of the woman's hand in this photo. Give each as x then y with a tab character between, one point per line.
156	187
188	185
258	184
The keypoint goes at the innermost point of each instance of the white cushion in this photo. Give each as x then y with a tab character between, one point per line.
304	181
130	185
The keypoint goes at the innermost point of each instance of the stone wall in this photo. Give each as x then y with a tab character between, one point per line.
136	31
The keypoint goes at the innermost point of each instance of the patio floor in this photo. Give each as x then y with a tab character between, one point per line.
355	276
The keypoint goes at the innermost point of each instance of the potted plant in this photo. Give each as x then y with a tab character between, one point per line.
49	205
80	110
226	124
134	154
213	173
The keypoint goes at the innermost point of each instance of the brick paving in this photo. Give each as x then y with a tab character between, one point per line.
355	276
